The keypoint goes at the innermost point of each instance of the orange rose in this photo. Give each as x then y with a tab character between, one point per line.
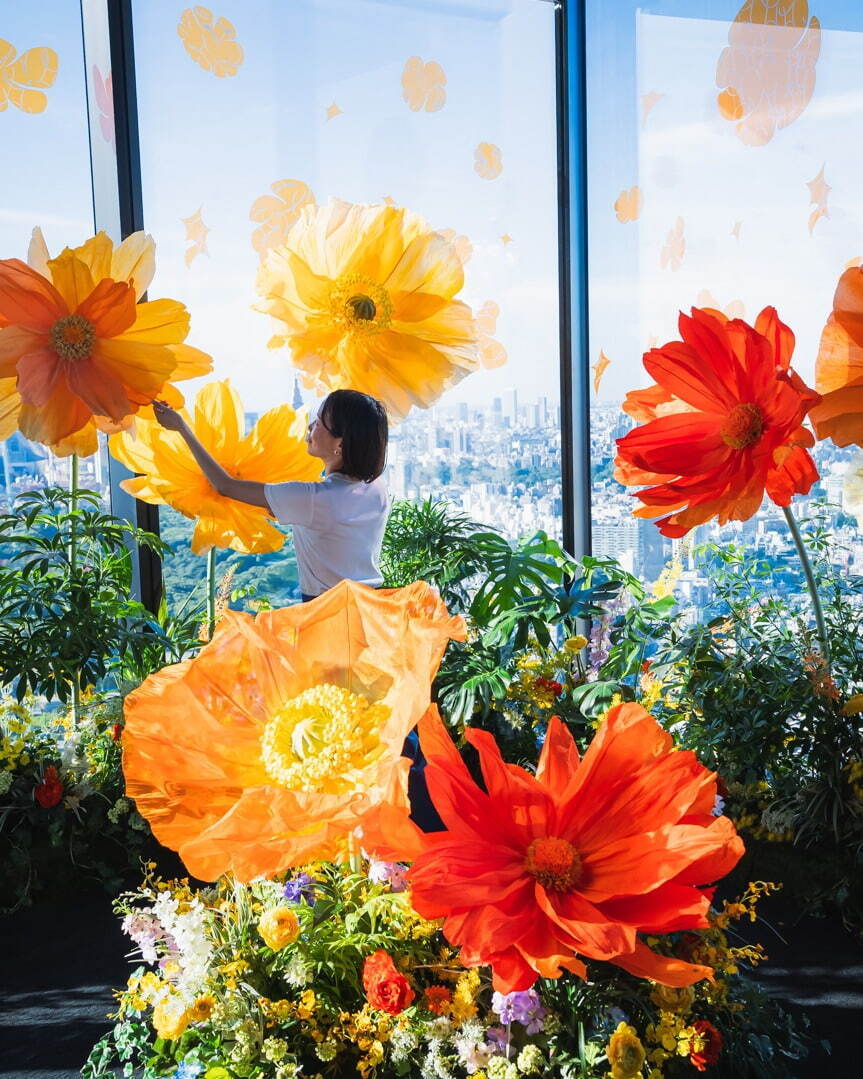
438	999
386	989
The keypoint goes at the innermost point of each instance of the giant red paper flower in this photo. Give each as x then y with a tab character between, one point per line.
724	423
576	860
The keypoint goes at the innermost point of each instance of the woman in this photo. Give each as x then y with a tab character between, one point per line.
339	522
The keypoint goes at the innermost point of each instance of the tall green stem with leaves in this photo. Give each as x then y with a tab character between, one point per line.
73	560
811	583
211	592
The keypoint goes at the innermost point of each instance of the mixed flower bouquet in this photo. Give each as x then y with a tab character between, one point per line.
329	971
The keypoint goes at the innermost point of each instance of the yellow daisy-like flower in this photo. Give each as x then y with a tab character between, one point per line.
625	1053
279	927
78	352
274	451
366	295
202	1009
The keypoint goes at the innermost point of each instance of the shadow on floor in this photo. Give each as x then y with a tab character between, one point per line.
60	963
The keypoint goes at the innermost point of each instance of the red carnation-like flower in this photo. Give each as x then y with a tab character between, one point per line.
534	870
387	989
438	999
49	792
117	732
722	425
712	1045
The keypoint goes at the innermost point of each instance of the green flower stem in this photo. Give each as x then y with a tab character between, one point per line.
211	592
810	583
73	559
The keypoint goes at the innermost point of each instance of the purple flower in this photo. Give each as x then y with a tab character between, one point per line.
300	888
525	1008
394	872
498	1038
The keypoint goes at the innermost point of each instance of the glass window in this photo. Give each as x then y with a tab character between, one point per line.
445	108
723	155
44	182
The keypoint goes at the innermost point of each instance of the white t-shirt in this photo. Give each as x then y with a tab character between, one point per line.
338	528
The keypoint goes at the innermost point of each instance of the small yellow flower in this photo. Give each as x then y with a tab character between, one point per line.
575	644
279	927
308	1004
625	1053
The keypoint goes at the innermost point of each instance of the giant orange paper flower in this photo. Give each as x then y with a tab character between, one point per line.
367	298
578	859
83	352
274	743
839	368
724	423
274	451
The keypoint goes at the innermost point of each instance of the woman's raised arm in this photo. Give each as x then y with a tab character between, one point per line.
247	491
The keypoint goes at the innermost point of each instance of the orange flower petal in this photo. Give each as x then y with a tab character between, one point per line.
84	442
38	374
10	406
110	306
27	298
644	963
59	417
15	342
71	277
98	388
157	322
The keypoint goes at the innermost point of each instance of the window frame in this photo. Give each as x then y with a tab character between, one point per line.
118	209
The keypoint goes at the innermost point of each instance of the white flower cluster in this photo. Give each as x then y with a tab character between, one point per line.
186	936
119	809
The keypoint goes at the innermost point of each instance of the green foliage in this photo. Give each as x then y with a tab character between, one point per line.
434	542
758	702
253	576
66	617
92	831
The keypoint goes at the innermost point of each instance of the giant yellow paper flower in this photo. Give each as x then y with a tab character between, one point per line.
274	451
77	351
285	733
367	298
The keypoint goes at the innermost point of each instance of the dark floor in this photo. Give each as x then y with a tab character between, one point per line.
59	963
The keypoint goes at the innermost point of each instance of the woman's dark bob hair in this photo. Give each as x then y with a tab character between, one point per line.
360	421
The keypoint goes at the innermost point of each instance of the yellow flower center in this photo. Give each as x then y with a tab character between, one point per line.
743	426
323	740
360	306
73	337
554	863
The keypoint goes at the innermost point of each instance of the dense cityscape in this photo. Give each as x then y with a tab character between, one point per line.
500	465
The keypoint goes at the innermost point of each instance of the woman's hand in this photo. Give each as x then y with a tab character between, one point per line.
168	417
